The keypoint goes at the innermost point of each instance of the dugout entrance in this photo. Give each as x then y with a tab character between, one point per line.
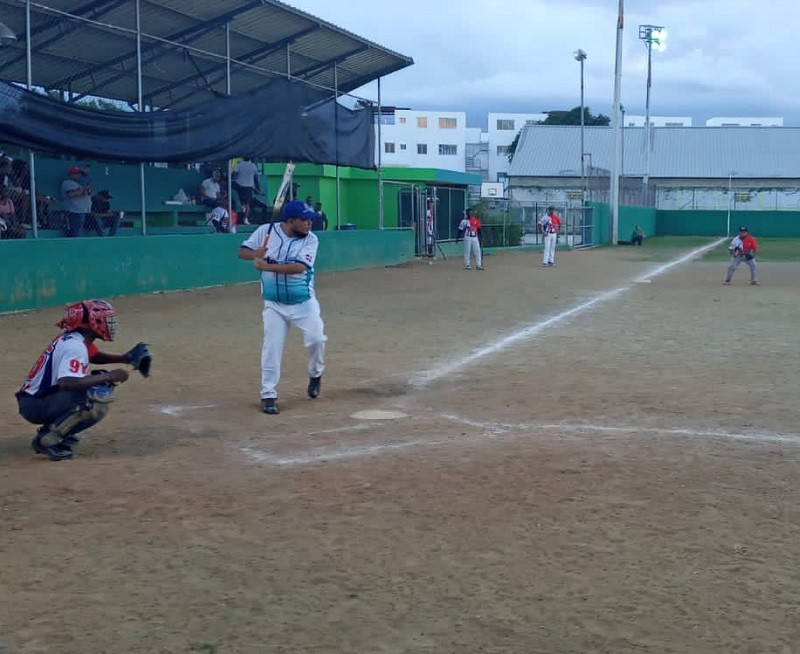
433	212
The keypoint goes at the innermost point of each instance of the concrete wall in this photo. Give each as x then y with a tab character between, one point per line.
47	272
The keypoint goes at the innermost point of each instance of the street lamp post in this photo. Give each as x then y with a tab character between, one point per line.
622	158
653	36
580	56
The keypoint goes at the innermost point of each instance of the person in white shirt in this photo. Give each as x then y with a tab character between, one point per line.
245	181
285	254
210	191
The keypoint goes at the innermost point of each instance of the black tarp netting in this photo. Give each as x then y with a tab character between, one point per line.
283	121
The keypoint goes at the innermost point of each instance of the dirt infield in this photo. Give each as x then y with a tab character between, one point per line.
623	477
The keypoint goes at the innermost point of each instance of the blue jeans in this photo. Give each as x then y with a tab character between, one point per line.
75	224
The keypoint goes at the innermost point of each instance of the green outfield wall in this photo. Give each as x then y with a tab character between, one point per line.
663	222
47	272
715	223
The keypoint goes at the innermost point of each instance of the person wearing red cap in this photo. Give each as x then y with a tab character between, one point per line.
743	247
76	200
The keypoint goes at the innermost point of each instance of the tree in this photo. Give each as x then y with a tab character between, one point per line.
573	117
100	104
512	148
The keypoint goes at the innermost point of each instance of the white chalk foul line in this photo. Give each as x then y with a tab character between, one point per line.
497	430
423	379
329	454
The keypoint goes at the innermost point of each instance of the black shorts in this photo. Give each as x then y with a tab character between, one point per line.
47	409
245	193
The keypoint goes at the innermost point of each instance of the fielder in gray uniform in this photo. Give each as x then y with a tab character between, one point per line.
285	255
743	247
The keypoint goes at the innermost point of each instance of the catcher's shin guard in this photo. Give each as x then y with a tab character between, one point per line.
79	418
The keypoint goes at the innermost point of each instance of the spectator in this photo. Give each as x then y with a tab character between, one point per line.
210	190
5	171
76	200
245	181
101	215
637	237
10	223
219	219
320	222
309	205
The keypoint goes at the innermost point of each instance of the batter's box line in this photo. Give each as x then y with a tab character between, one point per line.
494	431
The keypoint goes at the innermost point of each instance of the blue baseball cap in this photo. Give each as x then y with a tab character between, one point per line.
293	209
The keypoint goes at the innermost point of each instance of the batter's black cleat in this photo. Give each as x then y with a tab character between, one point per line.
58	452
314	386
268	406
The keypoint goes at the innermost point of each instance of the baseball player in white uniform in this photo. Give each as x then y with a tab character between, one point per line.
285	255
550	224
470	226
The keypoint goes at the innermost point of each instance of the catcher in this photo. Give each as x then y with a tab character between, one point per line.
59	395
743	247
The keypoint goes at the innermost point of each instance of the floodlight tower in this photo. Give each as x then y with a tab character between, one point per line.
654	38
580	56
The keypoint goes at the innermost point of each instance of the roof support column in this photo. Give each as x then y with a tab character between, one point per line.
140	106
31	157
380	170
336	141
232	224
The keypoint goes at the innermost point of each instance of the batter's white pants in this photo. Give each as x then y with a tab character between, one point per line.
277	320
549	252
472	244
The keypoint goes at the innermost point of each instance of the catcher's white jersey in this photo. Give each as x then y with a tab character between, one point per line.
67	356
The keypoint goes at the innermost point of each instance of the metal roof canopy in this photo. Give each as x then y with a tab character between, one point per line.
89	48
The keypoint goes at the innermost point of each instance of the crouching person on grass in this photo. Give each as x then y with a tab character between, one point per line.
58	393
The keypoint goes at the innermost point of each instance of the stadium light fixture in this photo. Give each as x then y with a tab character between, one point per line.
654	37
6	34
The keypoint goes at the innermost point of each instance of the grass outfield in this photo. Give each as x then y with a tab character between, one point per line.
769	249
658	248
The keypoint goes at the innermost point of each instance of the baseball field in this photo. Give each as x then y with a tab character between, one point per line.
599	457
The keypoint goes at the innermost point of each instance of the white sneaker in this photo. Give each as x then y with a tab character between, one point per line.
246	222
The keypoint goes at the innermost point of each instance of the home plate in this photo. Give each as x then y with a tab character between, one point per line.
377	414
644	281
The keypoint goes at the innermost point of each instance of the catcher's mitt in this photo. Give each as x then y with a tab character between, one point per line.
140	358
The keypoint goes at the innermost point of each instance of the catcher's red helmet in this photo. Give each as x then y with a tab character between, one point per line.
95	315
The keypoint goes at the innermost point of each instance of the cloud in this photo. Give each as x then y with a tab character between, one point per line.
724	57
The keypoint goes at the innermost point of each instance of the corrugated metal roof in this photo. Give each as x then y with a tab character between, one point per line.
98	58
678	152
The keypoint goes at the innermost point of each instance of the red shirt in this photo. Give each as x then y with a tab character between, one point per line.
554	225
749	244
473	226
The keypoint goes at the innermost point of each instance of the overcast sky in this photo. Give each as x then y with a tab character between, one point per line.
723	57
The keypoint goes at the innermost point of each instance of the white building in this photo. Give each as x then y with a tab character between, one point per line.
744	122
422	139
503	129
658	121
